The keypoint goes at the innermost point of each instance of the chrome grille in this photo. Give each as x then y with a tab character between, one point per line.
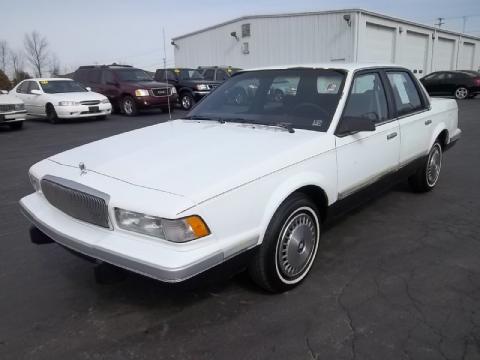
8	107
90	102
78	201
161	92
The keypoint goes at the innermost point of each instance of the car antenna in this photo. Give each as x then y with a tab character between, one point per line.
166	77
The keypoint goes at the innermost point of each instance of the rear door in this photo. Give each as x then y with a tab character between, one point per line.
363	157
413	113
109	85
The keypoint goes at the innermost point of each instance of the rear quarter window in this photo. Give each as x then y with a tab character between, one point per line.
405	93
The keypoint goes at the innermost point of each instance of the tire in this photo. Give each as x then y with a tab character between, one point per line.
16	125
186	101
51	114
128	106
426	178
282	262
461	93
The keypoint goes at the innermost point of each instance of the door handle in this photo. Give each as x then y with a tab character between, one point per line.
428	122
391	136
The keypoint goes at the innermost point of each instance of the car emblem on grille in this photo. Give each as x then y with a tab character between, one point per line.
83	169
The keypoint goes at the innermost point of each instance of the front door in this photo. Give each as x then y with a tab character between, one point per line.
365	156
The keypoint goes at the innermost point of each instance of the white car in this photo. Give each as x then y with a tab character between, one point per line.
59	98
175	199
12	111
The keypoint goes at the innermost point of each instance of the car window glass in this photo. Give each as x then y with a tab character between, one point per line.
329	84
108	77
93	76
209	74
280	91
22	89
406	96
367	99
32	86
221	75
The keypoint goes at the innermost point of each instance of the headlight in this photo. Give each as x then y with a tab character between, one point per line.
173	91
19	106
141	92
179	231
202	87
34	181
105	101
69	103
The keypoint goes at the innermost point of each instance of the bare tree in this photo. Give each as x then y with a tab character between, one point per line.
36	48
4	50
17	59
54	65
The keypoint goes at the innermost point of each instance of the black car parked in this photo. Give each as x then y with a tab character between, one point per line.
190	84
217	73
461	84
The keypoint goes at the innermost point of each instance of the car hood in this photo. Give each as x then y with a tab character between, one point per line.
77	96
146	84
197	160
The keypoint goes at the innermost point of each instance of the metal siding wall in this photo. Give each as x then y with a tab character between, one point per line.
273	41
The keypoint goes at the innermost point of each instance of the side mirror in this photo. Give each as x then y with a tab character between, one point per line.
3	92
88	88
353	124
35	92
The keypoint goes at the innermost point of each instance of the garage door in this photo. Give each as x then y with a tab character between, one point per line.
465	59
379	44
414	52
443	54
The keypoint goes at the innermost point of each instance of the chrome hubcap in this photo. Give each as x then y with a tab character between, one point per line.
128	106
461	93
186	103
434	165
297	245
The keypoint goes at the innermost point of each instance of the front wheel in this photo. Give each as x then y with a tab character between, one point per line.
128	106
51	114
426	178
461	93
186	101
289	246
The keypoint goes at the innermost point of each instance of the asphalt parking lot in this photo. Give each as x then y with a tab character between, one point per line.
398	278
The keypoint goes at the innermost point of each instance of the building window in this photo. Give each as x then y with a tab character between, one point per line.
245	48
245	30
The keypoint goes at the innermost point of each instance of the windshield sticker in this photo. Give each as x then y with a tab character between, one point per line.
44	82
177	70
332	87
317	122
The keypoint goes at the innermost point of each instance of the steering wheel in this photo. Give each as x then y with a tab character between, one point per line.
314	108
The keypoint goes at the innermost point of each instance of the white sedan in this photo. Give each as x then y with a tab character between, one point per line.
59	98
255	177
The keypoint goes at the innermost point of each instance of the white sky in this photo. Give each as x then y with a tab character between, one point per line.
103	31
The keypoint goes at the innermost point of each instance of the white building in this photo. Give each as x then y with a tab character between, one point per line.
340	35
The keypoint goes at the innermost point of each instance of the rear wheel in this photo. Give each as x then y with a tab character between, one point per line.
128	106
186	101
289	246
51	114
461	93
16	125
426	178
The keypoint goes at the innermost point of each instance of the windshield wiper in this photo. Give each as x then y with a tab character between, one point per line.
208	118
285	126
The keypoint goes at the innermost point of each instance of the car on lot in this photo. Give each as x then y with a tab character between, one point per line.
12	111
190	84
129	89
60	98
461	84
217	73
256	178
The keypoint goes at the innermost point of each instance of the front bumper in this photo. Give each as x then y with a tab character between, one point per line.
81	111
155	101
169	263
197	95
13	116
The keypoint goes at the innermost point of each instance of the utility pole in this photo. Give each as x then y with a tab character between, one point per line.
440	22
464	26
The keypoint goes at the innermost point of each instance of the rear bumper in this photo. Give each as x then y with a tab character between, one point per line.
146	257
146	102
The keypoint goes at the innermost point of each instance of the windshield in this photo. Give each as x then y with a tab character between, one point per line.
133	75
299	98
61	86
190	74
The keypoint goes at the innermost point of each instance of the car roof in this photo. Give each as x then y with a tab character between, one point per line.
330	65
50	79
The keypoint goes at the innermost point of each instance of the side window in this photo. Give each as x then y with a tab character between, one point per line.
367	99
221	75
94	76
22	89
171	76
209	74
32	86
108	77
405	93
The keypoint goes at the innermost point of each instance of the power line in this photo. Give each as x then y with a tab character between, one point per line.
440	22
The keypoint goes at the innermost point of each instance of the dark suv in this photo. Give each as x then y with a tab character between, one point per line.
129	89
217	73
190	84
